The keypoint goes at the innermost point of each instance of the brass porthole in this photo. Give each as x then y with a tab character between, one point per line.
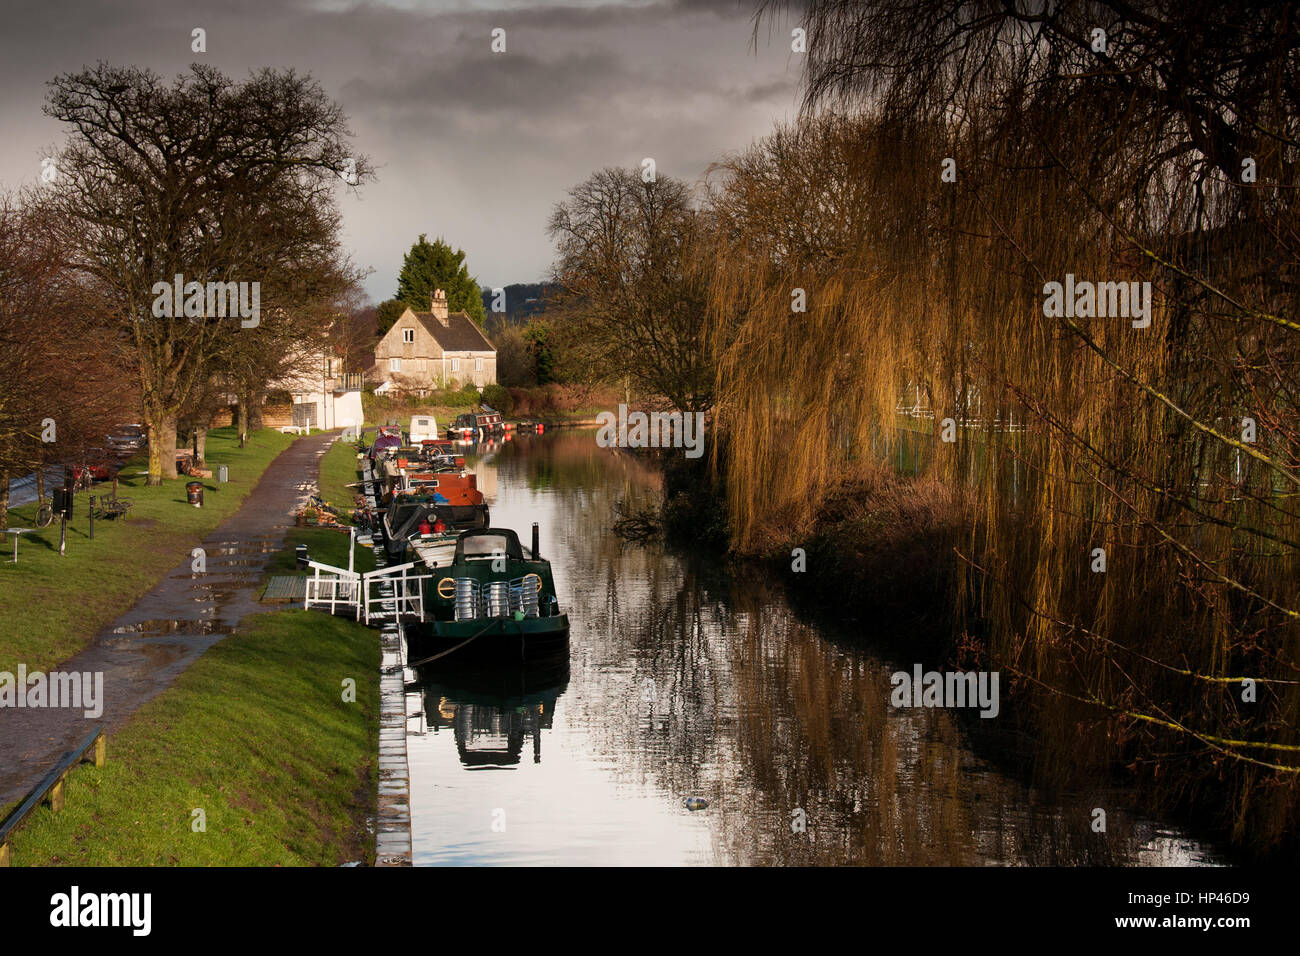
448	590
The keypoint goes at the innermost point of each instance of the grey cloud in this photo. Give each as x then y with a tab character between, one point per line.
471	145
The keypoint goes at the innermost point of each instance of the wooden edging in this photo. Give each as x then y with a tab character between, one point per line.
393	825
393	812
50	789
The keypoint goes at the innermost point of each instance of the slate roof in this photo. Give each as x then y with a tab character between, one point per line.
459	335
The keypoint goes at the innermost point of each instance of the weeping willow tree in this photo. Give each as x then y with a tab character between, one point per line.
954	161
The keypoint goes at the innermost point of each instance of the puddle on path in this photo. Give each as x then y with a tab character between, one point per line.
169	627
148	647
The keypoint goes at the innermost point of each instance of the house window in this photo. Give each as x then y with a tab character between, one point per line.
455	364
408	335
478	365
394	365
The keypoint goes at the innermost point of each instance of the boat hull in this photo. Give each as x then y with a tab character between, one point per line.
489	639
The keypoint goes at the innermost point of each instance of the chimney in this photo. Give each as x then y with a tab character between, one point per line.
439	306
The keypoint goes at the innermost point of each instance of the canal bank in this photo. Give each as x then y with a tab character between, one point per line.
393	818
52	606
147	647
260	754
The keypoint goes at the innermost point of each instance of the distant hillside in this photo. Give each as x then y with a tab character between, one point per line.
523	300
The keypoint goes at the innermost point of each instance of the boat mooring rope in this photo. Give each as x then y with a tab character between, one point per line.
425	660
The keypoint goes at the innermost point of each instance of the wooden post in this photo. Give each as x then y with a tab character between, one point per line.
98	752
55	796
4	854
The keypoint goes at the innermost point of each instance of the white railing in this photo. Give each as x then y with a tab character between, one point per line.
405	592
335	588
395	593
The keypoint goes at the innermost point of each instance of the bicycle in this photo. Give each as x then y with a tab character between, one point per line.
44	513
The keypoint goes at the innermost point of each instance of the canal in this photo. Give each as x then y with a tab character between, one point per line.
683	682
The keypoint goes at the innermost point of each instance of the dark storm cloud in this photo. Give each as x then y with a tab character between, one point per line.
519	83
471	145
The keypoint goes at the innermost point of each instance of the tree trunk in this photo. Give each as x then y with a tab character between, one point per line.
162	448
169	446
155	453
200	446
4	501
241	419
255	413
40	483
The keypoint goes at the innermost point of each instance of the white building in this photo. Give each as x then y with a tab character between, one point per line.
323	395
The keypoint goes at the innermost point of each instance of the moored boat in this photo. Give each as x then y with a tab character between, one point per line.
406	515
430	487
493	598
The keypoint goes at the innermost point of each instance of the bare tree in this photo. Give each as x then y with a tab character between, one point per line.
206	179
58	353
630	306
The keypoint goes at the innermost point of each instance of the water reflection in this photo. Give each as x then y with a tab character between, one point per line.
492	712
684	681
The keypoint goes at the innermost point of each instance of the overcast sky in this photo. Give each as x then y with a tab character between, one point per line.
471	145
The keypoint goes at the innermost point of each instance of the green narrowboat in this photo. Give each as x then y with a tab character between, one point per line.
493	599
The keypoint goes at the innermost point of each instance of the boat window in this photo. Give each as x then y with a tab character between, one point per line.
485	546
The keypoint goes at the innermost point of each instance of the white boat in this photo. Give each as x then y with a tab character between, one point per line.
423	428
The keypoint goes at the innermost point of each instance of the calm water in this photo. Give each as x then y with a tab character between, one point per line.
683	683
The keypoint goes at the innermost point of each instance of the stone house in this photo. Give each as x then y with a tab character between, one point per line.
434	349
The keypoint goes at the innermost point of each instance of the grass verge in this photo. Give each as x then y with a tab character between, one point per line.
338	467
257	735
51	606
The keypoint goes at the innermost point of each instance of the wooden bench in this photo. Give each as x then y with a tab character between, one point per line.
110	506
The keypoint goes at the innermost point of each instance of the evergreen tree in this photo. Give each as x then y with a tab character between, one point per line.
434	265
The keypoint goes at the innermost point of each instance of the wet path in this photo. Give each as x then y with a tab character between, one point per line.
145	649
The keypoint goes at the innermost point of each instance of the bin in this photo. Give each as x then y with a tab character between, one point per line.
194	492
63	501
223	474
